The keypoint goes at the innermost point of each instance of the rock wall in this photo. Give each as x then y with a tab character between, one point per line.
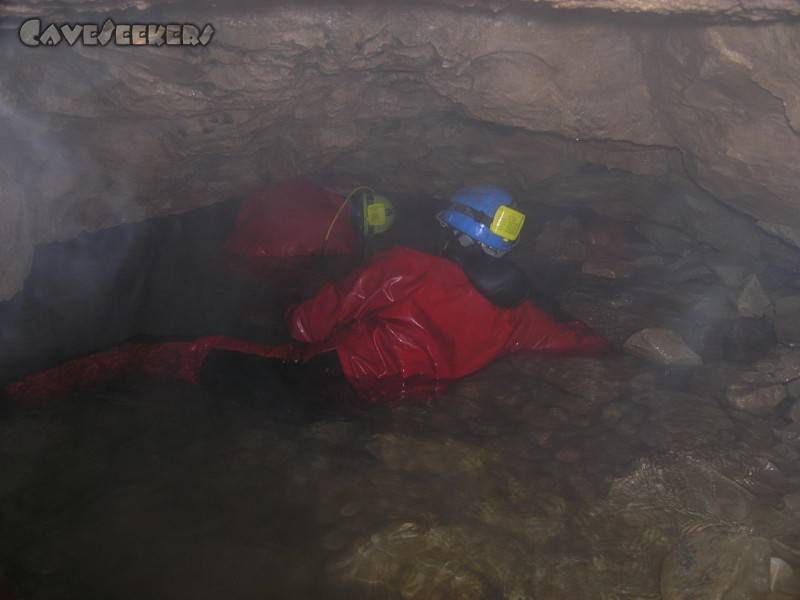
424	97
729	99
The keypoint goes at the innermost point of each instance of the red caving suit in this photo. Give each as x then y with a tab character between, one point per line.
407	323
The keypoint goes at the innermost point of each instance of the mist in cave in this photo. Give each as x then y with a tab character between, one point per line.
655	157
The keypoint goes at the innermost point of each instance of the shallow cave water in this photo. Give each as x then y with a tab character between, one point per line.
627	476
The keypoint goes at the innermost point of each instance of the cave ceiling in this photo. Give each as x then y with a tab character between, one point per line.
423	96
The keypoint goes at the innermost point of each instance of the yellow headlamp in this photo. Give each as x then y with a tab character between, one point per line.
375	215
371	214
507	223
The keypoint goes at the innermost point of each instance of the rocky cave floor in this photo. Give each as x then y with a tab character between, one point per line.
621	477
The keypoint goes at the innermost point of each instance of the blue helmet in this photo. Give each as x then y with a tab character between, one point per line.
484	213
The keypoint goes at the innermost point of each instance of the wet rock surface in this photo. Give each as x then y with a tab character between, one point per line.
664	346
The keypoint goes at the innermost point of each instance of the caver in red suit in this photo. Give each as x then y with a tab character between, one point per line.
408	323
405	325
290	218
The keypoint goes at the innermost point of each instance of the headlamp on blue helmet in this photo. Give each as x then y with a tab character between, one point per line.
485	214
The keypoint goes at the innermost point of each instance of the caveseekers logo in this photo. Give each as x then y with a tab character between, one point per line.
31	34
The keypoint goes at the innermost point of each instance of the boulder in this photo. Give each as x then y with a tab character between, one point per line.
755	399
752	300
663	346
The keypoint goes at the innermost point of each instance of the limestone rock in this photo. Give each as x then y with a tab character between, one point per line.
748	339
710	565
755	11
666	239
416	560
787	319
746	11
609	269
782	578
651	260
733	268
607	241
686	270
16	249
663	346
794	412
704	219
788	366
737	94
752	300
531	83
788	234
788	546
565	240
584	378
400	452
759	400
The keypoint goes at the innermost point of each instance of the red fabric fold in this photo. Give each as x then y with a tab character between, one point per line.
291	218
159	361
408	323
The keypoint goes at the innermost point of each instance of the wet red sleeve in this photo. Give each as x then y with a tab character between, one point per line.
336	304
575	338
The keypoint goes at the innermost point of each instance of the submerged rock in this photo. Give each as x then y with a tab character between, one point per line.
788	367
663	346
787	546
583	378
414	559
755	399
405	453
708	565
782	577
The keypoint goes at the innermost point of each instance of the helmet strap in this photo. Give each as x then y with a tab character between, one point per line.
476	215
